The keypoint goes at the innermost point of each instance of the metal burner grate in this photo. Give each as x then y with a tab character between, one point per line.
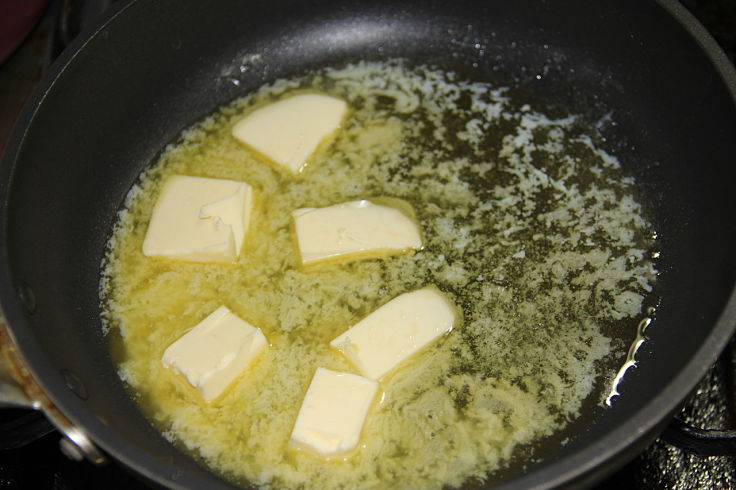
663	466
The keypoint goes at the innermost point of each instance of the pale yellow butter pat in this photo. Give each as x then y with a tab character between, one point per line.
215	352
289	131
333	412
199	219
353	228
396	331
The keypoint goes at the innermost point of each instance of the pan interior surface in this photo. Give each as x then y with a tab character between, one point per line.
506	247
155	68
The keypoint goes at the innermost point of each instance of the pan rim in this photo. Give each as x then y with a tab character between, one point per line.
43	372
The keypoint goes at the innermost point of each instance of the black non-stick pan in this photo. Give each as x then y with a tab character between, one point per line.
123	91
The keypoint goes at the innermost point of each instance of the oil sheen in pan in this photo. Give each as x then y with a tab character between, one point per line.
530	227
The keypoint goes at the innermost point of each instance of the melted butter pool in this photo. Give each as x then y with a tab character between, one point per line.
529	227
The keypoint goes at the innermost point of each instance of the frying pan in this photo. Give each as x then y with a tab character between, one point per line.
124	90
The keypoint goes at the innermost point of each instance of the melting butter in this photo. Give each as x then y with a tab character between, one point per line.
488	176
199	219
356	229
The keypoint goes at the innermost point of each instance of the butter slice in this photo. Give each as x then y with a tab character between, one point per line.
353	228
289	131
212	354
396	331
199	219
333	412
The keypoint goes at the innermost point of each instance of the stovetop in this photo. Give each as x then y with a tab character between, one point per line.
41	465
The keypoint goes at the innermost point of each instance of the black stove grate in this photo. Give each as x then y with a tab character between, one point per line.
662	466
